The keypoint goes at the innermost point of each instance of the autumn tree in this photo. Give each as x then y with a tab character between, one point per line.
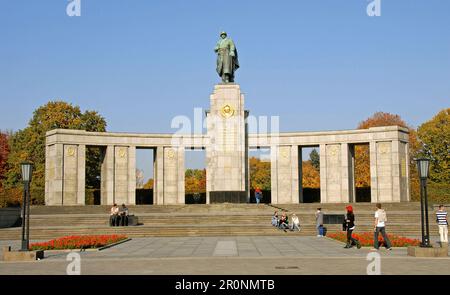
4	151
362	160
259	174
149	184
310	175
195	181
435	136
29	144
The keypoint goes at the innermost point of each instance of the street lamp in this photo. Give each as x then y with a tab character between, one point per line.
27	172
423	168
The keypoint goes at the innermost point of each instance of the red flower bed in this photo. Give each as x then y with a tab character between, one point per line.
366	239
78	242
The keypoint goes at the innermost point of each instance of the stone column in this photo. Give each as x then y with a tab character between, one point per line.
209	166
181	175
373	172
384	172
131	175
274	174
173	187
81	179
285	177
406	176
333	176
399	171
54	171
120	175
323	173
107	176
158	183
295	198
70	175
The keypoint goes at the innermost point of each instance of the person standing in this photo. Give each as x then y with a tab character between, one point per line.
350	227
319	222
380	227
442	221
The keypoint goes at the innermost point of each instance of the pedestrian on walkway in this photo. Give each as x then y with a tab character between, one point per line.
350	227
442	221
380	227
319	222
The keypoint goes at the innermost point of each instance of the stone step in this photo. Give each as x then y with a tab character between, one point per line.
42	210
190	230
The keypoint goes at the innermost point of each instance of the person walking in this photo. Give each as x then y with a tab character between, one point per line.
258	195
350	227
442	221
319	222
380	227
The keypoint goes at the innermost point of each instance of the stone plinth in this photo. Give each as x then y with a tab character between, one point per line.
428	252
9	255
226	154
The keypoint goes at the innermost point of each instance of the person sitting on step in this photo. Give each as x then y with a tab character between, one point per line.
295	223
284	222
114	215
275	218
123	213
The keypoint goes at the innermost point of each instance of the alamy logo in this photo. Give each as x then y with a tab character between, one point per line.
374	266
374	8
73	8
74	267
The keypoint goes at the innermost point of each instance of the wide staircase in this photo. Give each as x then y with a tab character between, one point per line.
210	220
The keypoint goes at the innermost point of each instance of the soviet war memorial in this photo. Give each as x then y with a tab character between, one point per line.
255	140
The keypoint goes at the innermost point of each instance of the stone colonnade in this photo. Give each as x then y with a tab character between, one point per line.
389	169
66	157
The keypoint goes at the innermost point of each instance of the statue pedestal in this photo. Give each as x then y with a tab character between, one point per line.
227	168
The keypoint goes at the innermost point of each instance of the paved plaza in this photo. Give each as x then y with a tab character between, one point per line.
229	255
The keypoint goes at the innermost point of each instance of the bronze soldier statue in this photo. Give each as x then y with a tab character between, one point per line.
227	58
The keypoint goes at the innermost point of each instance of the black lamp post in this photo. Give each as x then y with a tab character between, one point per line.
27	172
423	167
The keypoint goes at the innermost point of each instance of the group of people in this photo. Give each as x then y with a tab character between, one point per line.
282	222
118	216
379	225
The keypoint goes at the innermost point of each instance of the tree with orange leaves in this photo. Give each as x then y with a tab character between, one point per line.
362	160
310	175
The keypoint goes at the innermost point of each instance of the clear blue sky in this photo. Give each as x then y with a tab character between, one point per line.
318	64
